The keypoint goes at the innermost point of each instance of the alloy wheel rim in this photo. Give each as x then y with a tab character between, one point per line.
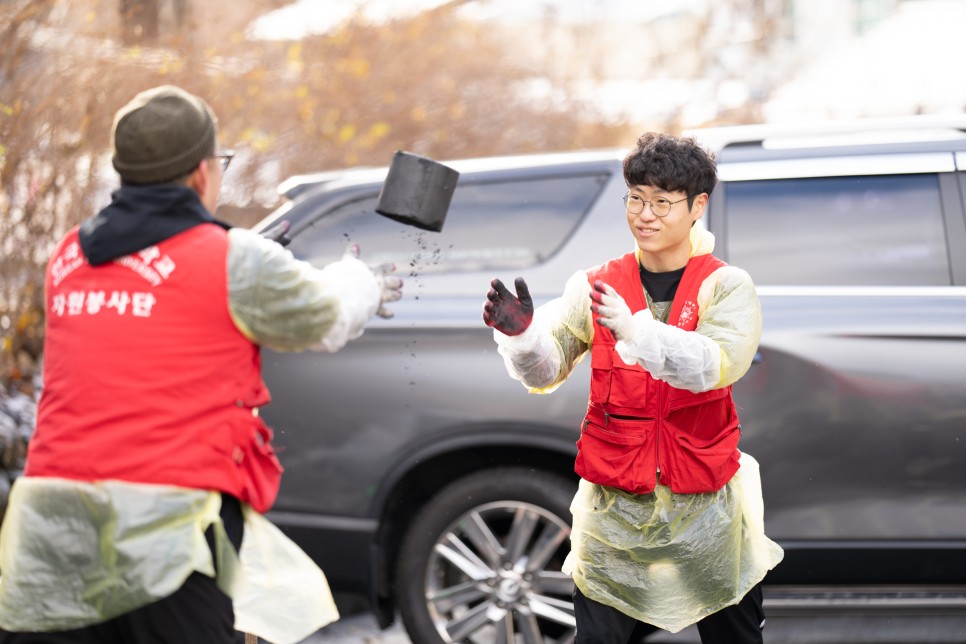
494	576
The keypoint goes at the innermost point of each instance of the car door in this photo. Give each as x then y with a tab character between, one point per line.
856	403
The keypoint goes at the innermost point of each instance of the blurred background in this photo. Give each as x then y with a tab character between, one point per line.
314	85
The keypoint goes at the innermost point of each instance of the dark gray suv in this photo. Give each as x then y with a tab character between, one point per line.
419	475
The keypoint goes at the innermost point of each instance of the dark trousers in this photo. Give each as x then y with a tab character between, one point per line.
740	623
197	613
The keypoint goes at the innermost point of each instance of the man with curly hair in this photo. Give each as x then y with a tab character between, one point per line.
668	525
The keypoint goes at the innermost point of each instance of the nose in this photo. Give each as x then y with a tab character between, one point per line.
646	212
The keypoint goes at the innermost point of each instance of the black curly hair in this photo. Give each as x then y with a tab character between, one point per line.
672	164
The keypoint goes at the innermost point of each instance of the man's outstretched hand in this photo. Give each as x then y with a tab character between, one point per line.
390	286
508	313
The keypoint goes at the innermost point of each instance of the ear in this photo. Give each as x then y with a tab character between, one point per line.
698	206
198	180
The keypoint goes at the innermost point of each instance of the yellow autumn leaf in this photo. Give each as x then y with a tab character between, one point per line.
305	111
170	65
359	67
248	134
379	130
346	133
294	56
263	143
258	140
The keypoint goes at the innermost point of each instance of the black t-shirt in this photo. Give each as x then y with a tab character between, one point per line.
661	287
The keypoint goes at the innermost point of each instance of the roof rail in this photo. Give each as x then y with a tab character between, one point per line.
297	184
778	135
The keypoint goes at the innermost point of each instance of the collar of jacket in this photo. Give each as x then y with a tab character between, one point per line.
141	216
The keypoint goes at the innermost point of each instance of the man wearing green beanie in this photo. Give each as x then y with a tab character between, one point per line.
149	463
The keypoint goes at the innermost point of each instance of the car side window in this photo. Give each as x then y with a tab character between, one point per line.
839	231
489	226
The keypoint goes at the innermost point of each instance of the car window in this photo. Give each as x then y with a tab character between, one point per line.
489	226
859	231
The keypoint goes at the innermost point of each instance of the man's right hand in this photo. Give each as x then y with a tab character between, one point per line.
507	313
390	286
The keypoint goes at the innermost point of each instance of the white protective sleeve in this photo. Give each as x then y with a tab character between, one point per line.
543	356
531	357
720	350
286	304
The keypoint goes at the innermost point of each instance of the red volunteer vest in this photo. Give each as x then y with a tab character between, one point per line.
146	377
636	424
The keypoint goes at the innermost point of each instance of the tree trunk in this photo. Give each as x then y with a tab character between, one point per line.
139	21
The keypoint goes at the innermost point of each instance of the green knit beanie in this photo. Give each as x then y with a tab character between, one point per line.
162	134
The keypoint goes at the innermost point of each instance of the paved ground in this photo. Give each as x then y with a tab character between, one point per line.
925	629
359	629
945	624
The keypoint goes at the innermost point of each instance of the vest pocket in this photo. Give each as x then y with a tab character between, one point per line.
256	471
681	398
618	453
263	471
702	464
702	416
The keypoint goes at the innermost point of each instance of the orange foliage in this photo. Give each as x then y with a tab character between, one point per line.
431	84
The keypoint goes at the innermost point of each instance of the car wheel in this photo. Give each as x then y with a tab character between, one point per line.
481	562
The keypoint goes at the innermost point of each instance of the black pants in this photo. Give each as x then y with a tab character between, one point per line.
740	623
197	613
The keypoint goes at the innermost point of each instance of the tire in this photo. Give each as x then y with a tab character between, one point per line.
481	561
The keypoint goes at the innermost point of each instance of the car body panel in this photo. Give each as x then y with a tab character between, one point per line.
855	406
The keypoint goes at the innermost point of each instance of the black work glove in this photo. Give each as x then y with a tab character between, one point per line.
505	312
277	233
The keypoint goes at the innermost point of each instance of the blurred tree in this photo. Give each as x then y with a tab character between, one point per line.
139	21
433	83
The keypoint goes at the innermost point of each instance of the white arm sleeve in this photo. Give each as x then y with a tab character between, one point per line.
543	356
287	304
718	352
532	357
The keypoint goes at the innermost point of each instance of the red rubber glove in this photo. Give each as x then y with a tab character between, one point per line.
508	313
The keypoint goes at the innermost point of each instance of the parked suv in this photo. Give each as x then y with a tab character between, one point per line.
421	476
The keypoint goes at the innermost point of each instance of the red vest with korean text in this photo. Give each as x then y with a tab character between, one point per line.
635	424
146	377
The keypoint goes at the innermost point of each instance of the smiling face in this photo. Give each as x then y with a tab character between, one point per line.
665	242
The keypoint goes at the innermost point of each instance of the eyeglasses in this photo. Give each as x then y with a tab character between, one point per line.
224	158
659	205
